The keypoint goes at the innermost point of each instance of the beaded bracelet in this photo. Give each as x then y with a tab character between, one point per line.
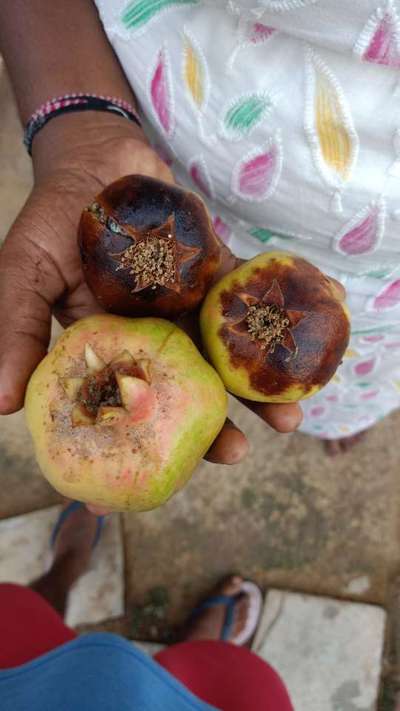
75	102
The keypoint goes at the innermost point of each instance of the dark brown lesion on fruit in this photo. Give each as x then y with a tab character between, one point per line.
267	325
104	392
99	390
156	257
267	320
278	355
152	262
117	238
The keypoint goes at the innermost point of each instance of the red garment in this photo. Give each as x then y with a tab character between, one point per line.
29	626
226	676
221	674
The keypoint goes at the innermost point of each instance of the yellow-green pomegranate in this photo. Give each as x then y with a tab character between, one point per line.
122	410
275	328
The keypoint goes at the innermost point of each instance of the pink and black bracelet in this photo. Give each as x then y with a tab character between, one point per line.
70	103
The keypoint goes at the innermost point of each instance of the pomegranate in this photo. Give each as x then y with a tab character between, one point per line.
275	328
122	410
148	248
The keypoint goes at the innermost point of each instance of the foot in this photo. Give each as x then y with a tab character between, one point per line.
72	551
74	542
209	623
333	447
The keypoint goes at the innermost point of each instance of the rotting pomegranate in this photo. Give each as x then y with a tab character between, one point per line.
148	248
275	328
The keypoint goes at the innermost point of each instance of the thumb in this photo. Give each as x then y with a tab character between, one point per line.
29	284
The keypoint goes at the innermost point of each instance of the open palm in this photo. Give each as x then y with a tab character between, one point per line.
41	276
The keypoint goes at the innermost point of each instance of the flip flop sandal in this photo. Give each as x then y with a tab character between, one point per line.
254	595
74	506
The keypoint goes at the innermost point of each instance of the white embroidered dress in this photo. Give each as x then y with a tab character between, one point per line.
285	114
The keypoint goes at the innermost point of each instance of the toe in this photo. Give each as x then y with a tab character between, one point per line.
231	586
338	446
332	447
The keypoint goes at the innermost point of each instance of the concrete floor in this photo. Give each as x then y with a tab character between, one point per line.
288	516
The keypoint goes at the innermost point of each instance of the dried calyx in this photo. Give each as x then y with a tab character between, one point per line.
267	323
108	391
151	261
156	257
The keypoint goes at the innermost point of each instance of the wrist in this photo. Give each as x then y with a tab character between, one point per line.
80	138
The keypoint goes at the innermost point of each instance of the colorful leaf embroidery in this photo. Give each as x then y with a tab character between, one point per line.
257	32
256	176
244	114
195	72
199	173
388	298
249	33
372	339
140	12
393	346
223	230
365	367
317	411
364	232
370	395
161	93
332	398
328	124
379	41
261	234
381	273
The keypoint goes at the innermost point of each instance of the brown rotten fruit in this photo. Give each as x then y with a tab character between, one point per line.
275	329
148	248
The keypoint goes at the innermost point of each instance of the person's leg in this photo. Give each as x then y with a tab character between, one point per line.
209	624
72	552
31	617
224	675
333	447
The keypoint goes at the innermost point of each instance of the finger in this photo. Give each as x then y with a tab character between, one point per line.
80	303
282	417
28	284
332	447
230	447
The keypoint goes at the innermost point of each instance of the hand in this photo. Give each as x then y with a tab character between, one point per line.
40	272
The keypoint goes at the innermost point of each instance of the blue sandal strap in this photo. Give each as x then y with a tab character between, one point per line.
229	601
74	506
229	619
213	601
100	526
